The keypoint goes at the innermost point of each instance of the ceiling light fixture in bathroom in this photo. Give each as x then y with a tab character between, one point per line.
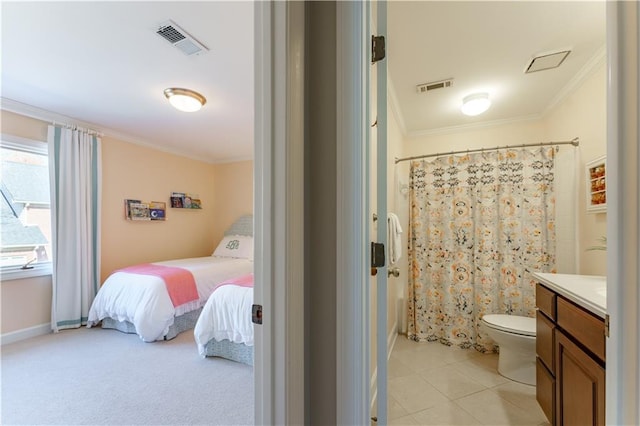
184	99
475	104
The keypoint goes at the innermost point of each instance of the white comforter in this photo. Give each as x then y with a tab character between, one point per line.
144	301
226	315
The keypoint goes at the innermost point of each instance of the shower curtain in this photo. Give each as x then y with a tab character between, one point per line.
479	225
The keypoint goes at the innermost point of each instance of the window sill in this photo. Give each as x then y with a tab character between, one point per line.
15	273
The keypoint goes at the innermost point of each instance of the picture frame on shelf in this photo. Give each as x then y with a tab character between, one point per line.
177	200
596	185
142	210
183	200
157	210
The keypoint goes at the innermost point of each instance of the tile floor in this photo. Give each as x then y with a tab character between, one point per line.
433	384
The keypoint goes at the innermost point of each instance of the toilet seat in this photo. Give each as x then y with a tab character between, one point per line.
511	324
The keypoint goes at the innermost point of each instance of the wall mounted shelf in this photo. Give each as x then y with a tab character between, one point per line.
143	210
181	200
596	183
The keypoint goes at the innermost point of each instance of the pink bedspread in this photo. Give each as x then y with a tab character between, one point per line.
242	281
180	283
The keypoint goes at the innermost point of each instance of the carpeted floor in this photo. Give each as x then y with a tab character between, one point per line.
105	377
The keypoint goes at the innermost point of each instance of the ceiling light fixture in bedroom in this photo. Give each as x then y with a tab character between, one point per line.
184	99
475	104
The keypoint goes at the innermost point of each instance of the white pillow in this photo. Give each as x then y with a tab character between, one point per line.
238	246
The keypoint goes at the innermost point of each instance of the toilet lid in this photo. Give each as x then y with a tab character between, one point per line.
511	323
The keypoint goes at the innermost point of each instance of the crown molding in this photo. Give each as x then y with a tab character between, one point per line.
474	126
44	115
232	160
55	118
581	76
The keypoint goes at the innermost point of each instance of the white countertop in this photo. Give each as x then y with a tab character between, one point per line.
588	291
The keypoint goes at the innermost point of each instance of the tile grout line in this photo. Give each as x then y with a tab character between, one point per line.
484	365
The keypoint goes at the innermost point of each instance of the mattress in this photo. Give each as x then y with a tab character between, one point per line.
224	327
144	302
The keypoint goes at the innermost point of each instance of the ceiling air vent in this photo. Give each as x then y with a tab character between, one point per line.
175	35
547	61
427	87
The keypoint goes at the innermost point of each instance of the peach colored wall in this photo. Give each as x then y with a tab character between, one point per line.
133	171
233	195
27	302
136	172
25	127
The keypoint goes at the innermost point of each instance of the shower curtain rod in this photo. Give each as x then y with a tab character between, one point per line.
574	142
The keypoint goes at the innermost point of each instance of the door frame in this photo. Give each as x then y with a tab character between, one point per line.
623	212
352	340
279	212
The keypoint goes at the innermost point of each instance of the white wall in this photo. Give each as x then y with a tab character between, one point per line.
583	114
398	204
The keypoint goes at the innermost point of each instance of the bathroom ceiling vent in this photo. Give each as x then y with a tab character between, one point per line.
178	37
547	61
427	87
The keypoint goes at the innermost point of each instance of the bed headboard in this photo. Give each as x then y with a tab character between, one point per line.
242	226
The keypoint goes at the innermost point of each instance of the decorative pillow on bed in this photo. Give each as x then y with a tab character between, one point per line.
238	246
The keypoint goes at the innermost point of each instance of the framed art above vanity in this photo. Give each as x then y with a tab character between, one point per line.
596	183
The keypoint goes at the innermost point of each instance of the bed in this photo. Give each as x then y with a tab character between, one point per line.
159	300
224	328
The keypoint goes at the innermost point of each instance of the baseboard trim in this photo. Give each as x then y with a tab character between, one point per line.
391	341
25	333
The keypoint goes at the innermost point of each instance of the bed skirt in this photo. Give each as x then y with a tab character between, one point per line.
238	352
181	323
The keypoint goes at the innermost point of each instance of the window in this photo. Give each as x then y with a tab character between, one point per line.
25	215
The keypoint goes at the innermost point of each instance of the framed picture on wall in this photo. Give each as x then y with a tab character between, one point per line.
596	183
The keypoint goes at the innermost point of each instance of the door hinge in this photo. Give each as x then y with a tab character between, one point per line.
606	325
377	48
377	255
256	314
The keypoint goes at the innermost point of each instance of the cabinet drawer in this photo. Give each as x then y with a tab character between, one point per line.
585	327
546	301
545	390
545	343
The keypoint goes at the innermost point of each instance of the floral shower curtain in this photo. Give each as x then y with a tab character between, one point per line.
479	225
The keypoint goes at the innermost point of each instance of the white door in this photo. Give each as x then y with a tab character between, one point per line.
378	217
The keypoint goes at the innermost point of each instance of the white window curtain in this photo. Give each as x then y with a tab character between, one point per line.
75	179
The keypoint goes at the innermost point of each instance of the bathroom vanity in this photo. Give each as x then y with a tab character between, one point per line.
570	348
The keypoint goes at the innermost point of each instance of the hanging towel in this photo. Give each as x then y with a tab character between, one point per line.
393	239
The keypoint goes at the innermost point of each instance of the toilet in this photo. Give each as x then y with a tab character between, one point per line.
516	337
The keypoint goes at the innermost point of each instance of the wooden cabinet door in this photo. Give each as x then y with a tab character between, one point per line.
545	390
580	385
